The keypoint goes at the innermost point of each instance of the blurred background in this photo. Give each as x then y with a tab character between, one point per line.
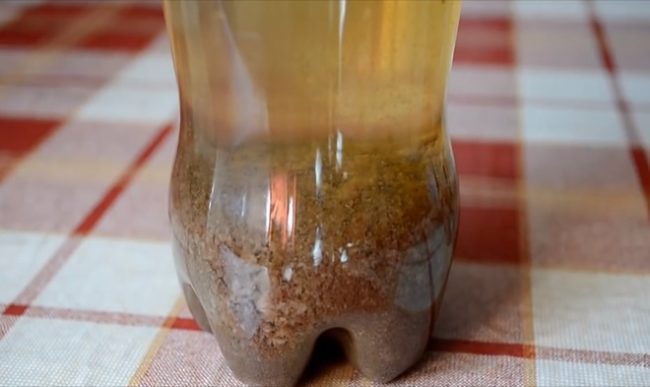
548	108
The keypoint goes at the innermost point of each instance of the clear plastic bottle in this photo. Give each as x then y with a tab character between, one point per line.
314	190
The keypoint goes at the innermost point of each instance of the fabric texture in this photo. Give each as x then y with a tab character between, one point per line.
549	113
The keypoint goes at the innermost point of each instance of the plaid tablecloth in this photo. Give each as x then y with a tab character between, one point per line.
549	110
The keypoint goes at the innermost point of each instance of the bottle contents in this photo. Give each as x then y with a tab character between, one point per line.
283	242
314	192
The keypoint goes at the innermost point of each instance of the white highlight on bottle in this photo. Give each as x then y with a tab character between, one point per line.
244	201
290	217
268	211
287	273
344	256
317	253
318	170
339	149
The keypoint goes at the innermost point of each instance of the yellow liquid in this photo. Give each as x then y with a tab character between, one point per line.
301	69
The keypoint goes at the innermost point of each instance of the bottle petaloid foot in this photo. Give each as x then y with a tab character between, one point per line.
268	318
253	368
381	347
385	346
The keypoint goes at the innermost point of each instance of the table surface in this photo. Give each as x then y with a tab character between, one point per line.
549	111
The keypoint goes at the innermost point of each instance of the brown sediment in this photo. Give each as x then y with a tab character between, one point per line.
277	244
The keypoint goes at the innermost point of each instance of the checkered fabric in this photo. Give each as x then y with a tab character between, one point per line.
549	111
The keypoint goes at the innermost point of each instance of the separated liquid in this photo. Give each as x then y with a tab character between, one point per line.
307	69
314	189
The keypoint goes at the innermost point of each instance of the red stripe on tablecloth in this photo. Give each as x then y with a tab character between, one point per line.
141	11
496	159
181	323
61	256
603	47
15	34
637	154
90	221
484	348
489	235
150	19
37	24
540	352
19	136
15	310
484	41
639	157
642	166
102	317
185	323
116	41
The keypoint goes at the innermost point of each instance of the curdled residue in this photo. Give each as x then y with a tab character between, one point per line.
249	286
